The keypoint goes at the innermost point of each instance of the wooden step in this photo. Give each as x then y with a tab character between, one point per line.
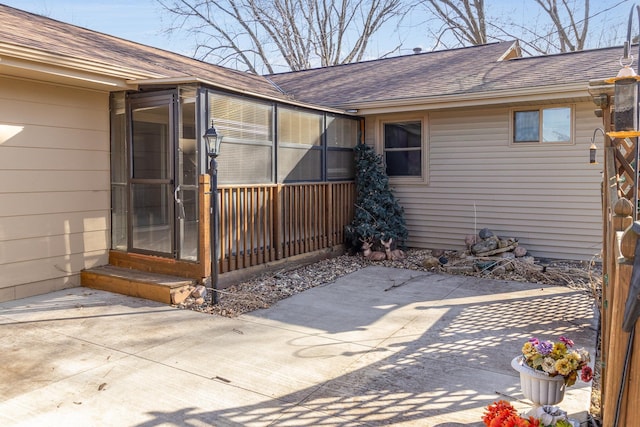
136	283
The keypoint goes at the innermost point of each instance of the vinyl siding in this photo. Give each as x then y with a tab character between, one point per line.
545	195
54	185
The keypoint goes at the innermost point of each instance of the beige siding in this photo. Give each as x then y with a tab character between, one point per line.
547	196
54	185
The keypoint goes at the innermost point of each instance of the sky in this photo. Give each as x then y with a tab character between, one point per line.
144	21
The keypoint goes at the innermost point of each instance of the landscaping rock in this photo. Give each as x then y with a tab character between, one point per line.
180	295
520	251
459	269
485	245
485	233
199	292
430	262
437	253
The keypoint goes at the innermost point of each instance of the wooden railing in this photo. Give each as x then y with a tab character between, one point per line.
263	223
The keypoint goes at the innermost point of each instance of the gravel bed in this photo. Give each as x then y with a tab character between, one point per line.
268	288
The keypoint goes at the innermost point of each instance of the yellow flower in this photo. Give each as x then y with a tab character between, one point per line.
574	359
559	350
528	350
564	367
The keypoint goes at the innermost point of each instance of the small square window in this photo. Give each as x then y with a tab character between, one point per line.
544	125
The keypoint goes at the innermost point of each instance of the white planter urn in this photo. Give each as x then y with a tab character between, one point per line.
537	386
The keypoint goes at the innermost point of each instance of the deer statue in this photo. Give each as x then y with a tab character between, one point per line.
392	254
369	254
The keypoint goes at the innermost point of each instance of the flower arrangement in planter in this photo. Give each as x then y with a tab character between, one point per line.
557	358
503	414
546	369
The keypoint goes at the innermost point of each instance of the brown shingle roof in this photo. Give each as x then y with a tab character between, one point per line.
440	73
458	71
25	29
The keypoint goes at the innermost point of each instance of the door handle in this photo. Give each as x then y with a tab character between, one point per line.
181	212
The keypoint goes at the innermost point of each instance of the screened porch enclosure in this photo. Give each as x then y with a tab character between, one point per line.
285	180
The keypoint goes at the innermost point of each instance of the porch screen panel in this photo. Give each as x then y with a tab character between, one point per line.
151	224
246	153
118	173
342	135
299	145
187	176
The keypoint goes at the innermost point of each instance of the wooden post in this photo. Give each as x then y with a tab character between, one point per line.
328	235
277	221
617	338
203	216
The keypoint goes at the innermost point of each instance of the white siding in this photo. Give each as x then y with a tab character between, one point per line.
54	185
547	196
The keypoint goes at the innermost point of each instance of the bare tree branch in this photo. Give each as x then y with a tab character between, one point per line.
558	26
571	33
263	35
464	19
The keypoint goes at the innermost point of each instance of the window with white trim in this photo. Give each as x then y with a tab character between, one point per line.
542	125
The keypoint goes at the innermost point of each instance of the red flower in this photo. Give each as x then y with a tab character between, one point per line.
503	414
586	374
497	413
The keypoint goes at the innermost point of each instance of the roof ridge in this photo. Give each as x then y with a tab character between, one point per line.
394	58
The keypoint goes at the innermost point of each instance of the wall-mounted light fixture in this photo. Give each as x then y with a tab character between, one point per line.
593	148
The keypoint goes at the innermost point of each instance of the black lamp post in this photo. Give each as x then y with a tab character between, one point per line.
212	141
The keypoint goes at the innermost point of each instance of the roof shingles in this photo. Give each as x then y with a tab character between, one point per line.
432	74
458	71
25	29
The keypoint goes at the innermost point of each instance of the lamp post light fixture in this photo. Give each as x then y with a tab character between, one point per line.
212	141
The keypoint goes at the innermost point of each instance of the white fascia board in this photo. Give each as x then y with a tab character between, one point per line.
535	94
67	66
60	75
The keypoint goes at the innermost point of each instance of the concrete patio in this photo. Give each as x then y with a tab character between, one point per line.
381	346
